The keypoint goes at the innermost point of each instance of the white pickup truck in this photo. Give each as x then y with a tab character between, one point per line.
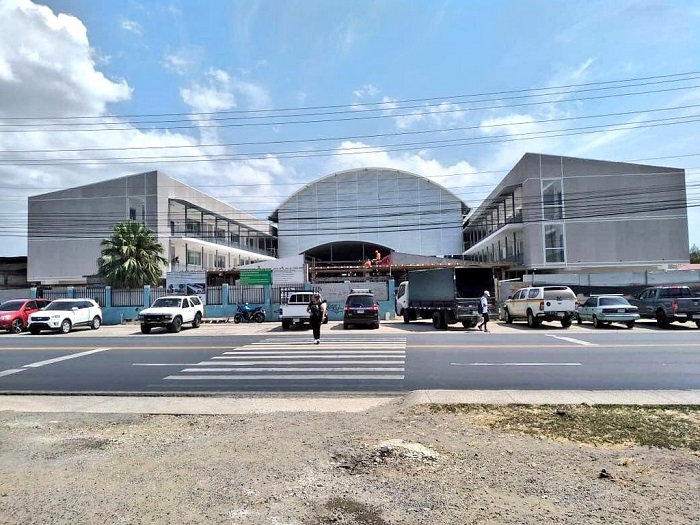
171	312
293	312
541	303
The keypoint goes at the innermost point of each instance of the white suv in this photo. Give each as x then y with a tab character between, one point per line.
541	303
62	315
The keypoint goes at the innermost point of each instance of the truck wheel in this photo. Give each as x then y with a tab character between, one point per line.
630	324
145	329
509	318
197	320
566	322
597	323
697	323
406	317
531	322
175	326
345	326
661	319
285	324
16	327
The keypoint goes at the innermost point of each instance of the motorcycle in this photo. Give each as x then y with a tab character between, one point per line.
248	314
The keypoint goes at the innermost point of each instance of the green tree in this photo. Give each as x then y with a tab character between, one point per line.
131	257
695	254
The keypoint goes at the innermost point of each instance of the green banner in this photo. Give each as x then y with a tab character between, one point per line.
249	277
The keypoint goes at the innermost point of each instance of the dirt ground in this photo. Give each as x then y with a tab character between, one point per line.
391	465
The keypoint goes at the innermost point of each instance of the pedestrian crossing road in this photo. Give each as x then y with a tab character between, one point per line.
284	359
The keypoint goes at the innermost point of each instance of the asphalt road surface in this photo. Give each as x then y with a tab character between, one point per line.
381	361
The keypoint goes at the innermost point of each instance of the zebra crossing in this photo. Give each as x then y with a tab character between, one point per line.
298	359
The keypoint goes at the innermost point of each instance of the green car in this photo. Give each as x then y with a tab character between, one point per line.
607	309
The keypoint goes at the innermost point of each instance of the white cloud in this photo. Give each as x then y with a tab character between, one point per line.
442	115
50	72
218	91
351	155
368	90
182	61
132	26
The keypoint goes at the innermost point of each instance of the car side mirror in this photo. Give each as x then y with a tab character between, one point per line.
75	309
510	297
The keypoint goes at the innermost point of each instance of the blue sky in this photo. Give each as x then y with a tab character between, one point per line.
213	75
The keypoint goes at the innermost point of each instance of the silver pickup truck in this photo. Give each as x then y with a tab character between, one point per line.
667	304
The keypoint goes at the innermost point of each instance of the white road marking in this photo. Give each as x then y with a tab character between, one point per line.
515	364
64	358
11	371
299	369
294	377
320	355
572	340
297	361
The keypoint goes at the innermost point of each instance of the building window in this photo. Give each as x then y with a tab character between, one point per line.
220	261
192	226
552	200
554	243
194	257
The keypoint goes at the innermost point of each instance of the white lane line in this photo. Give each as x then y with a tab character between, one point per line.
572	340
293	377
345	353
515	364
64	358
300	369
164	364
300	362
11	371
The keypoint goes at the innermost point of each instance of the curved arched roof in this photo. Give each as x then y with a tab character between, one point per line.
368	169
372	206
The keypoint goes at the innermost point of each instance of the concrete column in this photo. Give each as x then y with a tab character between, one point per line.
146	296
70	292
108	296
224	294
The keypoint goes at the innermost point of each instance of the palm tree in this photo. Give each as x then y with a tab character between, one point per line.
131	257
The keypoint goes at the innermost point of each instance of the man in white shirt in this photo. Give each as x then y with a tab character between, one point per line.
484	309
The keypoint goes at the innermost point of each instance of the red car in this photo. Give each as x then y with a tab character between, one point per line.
14	313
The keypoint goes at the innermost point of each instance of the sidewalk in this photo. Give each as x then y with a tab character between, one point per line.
210	405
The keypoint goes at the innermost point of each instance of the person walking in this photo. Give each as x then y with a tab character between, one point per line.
316	310
484	308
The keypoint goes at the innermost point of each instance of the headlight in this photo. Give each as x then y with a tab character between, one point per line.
55	316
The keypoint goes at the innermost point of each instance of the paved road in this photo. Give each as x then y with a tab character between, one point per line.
396	358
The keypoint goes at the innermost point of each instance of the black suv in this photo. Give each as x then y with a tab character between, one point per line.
361	309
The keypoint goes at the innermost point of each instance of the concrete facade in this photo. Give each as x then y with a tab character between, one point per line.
553	212
392	208
66	227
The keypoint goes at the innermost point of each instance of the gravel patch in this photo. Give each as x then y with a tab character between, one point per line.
390	465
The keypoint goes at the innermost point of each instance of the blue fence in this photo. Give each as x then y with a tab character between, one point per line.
120	305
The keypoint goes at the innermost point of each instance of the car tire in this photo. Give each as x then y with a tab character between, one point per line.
566	322
509	318
285	324
630	324
145	329
34	331
375	326
345	326
16	327
65	327
96	323
597	323
176	325
325	319
697	323
578	319
661	319
531	322
197	320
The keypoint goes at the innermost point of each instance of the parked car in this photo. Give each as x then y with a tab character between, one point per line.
293	311
541	303
171	312
667	304
15	313
61	315
361	308
607	309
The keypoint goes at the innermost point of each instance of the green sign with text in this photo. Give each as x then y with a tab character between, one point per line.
249	277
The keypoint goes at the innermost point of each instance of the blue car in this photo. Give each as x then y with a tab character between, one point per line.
607	309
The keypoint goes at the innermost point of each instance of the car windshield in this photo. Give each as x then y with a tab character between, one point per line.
62	305
610	301
167	302
11	306
360	301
